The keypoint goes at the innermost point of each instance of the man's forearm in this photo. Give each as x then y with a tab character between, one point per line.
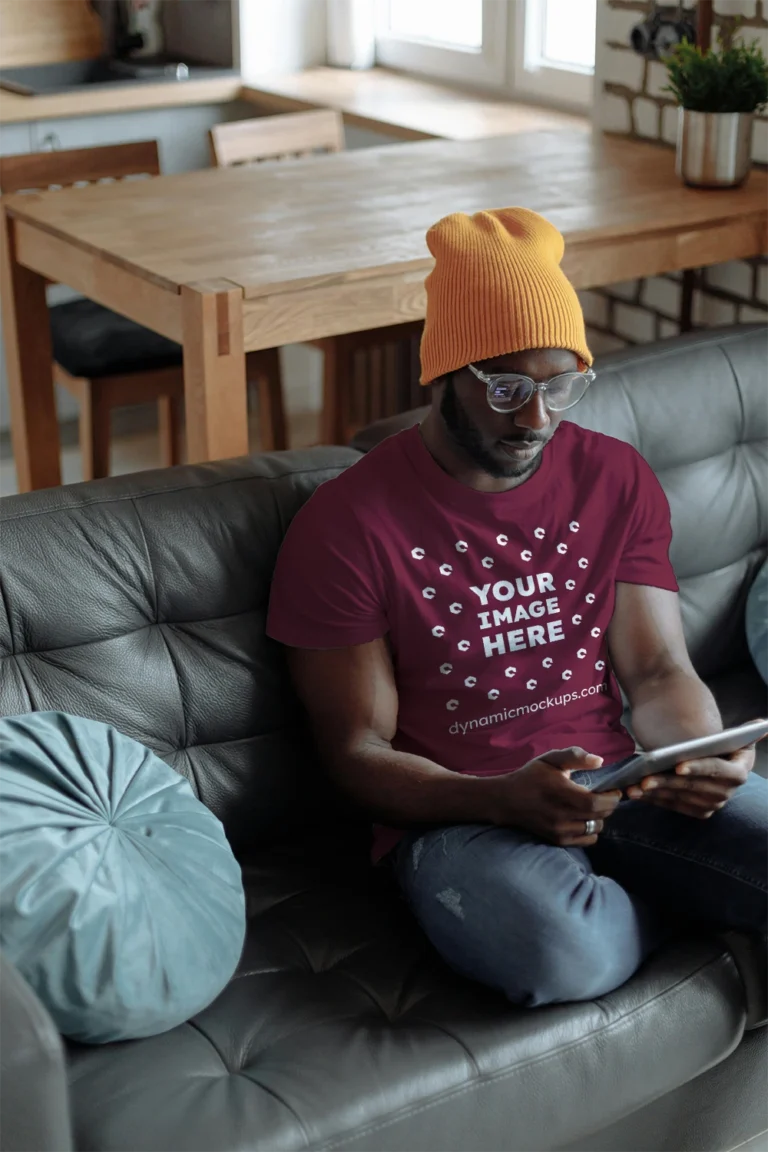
671	708
398	788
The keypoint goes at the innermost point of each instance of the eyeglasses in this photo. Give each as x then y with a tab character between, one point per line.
508	392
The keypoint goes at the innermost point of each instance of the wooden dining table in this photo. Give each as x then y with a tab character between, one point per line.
230	261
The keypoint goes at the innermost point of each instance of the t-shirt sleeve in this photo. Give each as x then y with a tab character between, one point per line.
645	556
325	589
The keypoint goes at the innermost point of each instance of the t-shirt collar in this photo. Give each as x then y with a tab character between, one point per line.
447	490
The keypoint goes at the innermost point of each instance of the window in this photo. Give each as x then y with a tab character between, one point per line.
539	49
553	50
461	40
460	25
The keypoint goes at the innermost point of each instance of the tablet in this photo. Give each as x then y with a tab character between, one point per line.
665	759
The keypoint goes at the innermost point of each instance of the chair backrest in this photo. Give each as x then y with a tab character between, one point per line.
36	171
277	137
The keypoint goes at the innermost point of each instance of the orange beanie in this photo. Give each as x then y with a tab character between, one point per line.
497	287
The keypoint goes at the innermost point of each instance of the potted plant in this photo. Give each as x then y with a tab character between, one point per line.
718	93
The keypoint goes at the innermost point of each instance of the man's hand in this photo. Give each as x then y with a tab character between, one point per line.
697	788
540	798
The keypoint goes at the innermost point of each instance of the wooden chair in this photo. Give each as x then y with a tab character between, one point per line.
345	393
105	360
276	137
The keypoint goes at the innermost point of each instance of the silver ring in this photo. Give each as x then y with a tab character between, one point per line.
590	827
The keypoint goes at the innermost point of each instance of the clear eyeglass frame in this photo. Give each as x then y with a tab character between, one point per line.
499	380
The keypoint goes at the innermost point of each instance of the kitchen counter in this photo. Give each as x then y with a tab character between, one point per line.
407	107
128	97
403	107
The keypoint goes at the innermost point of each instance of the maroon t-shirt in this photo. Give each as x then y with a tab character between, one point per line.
496	605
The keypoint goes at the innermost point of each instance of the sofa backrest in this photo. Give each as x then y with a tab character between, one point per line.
696	407
697	410
140	601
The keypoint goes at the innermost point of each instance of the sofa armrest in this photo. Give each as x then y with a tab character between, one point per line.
368	438
34	1100
750	954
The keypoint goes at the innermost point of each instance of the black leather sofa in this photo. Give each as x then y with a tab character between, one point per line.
141	601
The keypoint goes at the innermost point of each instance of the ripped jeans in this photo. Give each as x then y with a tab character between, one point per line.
545	924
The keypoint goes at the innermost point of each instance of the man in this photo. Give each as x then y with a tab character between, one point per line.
458	607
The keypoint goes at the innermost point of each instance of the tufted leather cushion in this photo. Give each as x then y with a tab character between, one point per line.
91	341
140	601
343	1030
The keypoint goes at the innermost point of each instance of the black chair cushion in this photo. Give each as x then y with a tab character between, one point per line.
91	341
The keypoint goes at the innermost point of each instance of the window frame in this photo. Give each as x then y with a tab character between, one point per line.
485	67
513	33
549	83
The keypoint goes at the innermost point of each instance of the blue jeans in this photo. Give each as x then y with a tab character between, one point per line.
546	924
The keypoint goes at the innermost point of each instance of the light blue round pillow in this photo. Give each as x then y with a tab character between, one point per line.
121	902
757	621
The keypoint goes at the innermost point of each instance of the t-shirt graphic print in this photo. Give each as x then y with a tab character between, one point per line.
496	605
538	598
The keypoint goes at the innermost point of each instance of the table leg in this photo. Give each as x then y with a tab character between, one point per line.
686	301
29	361
338	377
214	371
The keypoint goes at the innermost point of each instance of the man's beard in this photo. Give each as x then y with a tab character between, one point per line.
468	437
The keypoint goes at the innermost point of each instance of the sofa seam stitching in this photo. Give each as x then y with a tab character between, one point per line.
6	606
744	423
156	624
123	635
276	1096
704	340
133	496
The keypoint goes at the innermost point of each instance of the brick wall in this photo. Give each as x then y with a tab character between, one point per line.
629	100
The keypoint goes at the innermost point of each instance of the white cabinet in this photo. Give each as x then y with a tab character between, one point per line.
15	138
182	133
